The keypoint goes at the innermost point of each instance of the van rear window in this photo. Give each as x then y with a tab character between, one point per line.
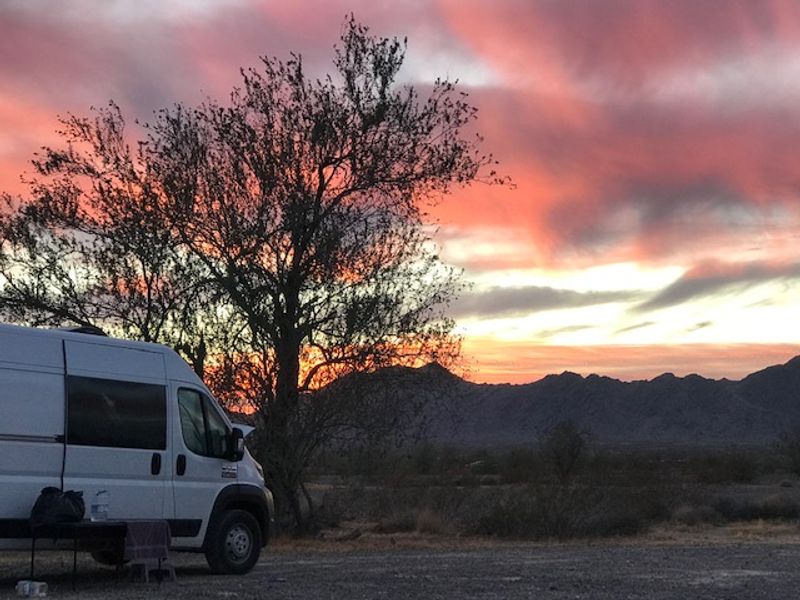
117	414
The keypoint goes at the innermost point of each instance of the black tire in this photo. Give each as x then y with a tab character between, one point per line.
109	558
234	544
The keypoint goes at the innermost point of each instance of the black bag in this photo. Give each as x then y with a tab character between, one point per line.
54	506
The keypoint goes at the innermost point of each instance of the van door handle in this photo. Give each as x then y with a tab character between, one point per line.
180	465
155	464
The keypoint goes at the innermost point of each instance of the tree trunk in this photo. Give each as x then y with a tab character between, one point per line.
310	519
301	523
287	468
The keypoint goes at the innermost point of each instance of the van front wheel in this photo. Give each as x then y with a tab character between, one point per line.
235	543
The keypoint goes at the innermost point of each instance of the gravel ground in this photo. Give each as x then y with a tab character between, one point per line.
508	571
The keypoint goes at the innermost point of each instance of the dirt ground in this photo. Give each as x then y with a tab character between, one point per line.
752	562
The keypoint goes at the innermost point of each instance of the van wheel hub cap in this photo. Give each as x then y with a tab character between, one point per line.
238	543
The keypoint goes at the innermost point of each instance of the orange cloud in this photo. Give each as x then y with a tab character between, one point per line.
17	147
491	361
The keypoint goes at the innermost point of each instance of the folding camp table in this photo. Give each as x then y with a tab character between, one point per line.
140	539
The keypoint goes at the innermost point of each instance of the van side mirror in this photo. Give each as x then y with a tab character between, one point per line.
236	445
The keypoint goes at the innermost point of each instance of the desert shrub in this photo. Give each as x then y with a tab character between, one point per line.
520	511
779	507
688	514
613	491
430	521
424	458
384	502
342	503
727	508
771	508
520	465
788	446
400	521
489	480
366	464
466	480
626	510
331	512
433	510
716	467
637	467
627	467
516	515
536	512
424	464
444	500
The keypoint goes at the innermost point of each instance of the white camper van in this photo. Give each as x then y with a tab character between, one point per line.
90	413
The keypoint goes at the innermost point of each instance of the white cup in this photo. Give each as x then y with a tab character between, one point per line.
38	589
31	589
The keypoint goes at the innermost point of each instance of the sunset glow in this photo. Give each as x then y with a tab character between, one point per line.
654	220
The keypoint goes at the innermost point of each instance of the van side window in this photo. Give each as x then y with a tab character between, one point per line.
204	430
117	414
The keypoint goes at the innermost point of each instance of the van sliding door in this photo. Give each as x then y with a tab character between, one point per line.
117	424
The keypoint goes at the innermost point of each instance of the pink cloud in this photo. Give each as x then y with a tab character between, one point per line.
624	41
613	163
606	168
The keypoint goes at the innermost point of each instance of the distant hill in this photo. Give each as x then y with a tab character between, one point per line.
667	410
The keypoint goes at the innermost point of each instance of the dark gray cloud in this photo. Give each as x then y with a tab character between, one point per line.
635	326
699	326
662	213
713	279
513	301
546	334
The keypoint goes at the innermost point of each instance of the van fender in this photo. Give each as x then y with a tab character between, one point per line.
254	499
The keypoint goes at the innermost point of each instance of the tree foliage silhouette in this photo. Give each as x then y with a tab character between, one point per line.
286	230
91	247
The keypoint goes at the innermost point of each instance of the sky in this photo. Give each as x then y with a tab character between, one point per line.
654	224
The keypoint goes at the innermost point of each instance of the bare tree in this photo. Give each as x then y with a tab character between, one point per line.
304	199
564	447
294	214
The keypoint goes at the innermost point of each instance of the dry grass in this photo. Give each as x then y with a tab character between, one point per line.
731	533
343	540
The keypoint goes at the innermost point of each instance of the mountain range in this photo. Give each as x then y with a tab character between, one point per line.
666	410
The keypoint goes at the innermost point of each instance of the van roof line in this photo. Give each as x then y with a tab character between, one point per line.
87	329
